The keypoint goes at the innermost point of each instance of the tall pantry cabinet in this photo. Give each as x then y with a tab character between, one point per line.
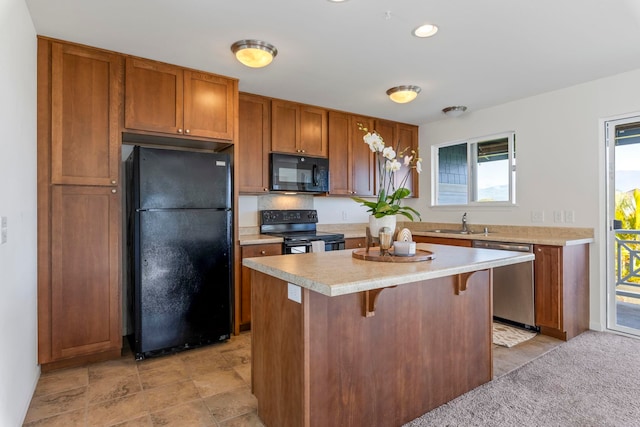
80	92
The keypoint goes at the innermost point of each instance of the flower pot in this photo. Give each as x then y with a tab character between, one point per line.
375	224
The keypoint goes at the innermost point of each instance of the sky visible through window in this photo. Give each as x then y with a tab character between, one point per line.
627	167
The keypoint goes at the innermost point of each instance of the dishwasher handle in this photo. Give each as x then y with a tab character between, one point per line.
517	247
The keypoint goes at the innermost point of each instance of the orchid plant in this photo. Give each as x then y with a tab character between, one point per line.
389	200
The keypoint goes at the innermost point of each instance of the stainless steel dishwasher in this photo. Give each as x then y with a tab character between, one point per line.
513	291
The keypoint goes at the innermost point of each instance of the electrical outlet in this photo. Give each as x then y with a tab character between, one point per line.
537	216
569	216
558	216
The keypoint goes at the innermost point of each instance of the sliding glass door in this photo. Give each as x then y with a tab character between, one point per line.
623	224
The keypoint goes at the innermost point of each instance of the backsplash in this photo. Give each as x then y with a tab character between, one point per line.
285	201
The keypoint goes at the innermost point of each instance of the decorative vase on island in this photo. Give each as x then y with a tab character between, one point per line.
375	224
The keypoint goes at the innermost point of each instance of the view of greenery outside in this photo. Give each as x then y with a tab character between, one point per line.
628	242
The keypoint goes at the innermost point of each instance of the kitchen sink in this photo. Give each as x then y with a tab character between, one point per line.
444	231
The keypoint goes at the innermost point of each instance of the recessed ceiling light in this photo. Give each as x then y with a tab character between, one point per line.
254	53
403	94
338	1
426	30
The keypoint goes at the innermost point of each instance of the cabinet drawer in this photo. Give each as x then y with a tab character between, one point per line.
261	250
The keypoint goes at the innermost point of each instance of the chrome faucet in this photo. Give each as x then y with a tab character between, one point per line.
464	223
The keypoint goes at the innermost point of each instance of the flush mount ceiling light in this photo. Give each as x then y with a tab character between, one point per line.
454	111
254	53
403	94
426	30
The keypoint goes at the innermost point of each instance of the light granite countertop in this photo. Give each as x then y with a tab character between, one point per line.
554	236
336	273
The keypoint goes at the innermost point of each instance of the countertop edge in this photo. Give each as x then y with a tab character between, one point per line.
365	285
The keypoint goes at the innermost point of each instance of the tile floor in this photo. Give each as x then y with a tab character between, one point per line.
208	387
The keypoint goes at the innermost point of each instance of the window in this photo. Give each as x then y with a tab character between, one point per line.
475	171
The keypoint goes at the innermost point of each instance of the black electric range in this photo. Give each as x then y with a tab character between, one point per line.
298	230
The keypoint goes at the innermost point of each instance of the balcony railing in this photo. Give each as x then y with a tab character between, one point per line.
627	250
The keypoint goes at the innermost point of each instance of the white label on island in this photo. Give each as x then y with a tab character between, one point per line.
294	293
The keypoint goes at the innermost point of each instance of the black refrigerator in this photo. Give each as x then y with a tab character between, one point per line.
179	244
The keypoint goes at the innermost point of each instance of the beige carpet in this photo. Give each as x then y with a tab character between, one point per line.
592	380
508	336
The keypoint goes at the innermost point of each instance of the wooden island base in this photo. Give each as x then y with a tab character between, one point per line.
322	363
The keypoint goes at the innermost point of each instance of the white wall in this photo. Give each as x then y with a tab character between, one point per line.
18	359
560	161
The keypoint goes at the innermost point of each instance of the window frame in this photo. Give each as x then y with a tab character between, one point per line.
472	180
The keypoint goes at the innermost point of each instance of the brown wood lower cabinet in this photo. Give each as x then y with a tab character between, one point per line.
355	243
318	362
83	301
562	289
251	251
442	241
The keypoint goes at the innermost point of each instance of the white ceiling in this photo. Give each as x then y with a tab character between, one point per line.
346	55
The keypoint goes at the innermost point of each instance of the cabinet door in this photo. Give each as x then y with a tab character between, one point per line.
548	286
388	130
86	93
339	154
408	138
245	287
362	159
254	139
313	131
208	105
85	272
153	96
285	126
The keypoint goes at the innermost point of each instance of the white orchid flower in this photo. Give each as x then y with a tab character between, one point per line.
393	165
389	153
376	144
419	165
407	160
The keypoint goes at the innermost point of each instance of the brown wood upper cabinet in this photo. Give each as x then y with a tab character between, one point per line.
351	162
168	99
298	129
401	137
254	138
86	87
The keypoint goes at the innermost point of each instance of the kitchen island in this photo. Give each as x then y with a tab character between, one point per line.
338	341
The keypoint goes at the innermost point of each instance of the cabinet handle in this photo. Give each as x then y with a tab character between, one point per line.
113	181
114	191
263	252
180	130
265	189
187	131
359	245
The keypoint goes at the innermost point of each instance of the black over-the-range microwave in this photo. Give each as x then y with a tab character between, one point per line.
301	174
